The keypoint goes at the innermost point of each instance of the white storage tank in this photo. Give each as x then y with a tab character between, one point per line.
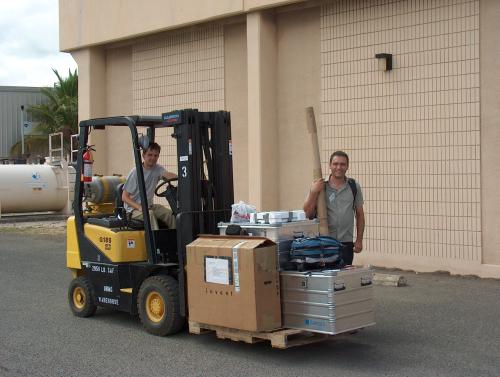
36	188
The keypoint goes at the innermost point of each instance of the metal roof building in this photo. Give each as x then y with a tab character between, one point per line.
11	117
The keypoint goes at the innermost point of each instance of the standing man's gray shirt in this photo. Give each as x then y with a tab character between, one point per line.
151	178
340	211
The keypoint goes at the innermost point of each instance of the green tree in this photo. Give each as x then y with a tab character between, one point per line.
58	114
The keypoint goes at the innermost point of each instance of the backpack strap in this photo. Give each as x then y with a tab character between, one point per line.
352	184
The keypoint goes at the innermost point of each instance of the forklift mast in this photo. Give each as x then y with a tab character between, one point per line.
205	171
205	177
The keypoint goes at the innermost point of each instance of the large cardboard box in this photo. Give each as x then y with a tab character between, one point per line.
232	281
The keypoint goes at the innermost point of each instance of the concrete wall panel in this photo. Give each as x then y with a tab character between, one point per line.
92	98
236	89
490	130
298	87
119	102
84	23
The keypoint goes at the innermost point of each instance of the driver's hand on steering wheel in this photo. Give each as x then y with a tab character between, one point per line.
169	176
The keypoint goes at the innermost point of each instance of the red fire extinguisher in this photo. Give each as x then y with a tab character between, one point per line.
87	164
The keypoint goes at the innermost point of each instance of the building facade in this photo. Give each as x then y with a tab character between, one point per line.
12	117
422	137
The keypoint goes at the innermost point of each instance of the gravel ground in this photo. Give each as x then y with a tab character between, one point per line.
35	227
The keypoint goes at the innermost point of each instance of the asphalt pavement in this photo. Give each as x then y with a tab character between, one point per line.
439	325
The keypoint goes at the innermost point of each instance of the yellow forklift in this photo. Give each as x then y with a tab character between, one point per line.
123	264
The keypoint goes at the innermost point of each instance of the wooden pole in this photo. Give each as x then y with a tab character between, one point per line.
321	203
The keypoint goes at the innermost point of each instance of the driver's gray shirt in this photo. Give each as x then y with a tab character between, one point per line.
151	178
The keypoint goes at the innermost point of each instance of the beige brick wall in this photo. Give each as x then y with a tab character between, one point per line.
178	70
118	102
413	133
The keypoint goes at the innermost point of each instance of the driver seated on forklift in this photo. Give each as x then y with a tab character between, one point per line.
152	174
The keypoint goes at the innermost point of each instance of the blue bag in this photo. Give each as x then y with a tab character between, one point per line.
315	247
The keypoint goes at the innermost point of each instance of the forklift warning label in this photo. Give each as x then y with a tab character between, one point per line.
107	300
106	241
131	244
102	269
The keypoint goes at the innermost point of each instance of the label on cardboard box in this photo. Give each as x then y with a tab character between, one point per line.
236	268
217	270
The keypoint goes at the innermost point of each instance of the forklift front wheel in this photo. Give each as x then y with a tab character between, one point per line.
158	305
81	297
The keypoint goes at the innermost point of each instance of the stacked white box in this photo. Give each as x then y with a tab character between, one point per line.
277	217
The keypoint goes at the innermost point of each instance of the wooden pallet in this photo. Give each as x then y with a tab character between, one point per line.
282	338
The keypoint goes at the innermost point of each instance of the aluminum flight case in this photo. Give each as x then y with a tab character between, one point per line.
328	302
282	234
278	232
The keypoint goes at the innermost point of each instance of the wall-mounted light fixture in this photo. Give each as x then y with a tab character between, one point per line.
385	62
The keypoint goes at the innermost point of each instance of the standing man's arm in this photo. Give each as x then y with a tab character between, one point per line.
312	198
360	229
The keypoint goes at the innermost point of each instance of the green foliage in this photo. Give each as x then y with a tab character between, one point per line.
60	112
34	145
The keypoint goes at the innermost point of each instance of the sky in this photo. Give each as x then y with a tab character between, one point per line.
29	43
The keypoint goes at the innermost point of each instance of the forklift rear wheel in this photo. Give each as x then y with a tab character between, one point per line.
158	305
81	297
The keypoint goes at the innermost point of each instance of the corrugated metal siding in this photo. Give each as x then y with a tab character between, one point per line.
11	99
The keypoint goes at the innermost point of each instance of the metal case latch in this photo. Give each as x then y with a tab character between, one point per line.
303	283
338	286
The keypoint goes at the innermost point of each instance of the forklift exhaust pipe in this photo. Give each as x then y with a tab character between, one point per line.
317	173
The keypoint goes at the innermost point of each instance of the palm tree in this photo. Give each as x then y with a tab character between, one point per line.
58	114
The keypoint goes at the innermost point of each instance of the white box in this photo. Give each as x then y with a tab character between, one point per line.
279	217
298	215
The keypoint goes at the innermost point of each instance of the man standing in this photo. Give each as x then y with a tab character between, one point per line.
344	201
152	174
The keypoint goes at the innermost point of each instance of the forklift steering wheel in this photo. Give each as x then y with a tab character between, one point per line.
164	192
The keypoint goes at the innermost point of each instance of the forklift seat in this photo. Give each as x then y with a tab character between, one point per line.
120	218
119	208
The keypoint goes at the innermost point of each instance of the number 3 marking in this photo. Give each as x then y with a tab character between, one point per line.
184	171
